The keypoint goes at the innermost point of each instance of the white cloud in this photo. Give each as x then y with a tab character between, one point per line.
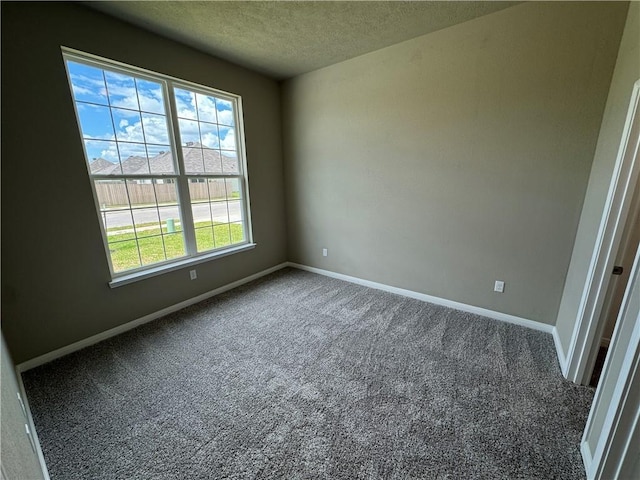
207	108
225	117
229	141
129	95
79	90
210	140
110	154
185	103
155	129
189	131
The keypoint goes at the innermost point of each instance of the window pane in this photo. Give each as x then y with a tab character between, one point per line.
103	157
206	108
198	190
216	202
170	219
160	159
128	125
122	90
166	193
87	83
217	190
189	133
220	212
193	160
111	194
230	162
147	222
204	239
212	161
119	225
124	255
232	188
155	128
95	121
174	245
207	124
209	135
225	112
185	103
227	138
201	214
222	235
237	233
128	149
141	192
133	157
151	250
235	210
150	96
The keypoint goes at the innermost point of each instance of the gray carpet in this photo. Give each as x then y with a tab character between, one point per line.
299	376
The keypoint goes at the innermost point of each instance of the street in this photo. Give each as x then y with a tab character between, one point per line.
201	213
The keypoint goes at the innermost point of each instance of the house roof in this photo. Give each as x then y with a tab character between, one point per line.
196	160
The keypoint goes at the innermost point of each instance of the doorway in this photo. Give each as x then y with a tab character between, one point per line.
589	328
609	444
618	283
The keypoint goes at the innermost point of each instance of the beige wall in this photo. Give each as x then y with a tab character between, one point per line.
626	73
439	165
54	270
455	159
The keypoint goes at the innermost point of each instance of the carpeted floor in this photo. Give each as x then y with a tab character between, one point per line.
300	376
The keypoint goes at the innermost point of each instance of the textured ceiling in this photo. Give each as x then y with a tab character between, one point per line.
287	38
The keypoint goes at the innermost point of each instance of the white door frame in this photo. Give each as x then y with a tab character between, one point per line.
588	329
610	443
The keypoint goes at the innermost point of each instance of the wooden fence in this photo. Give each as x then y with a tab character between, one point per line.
111	194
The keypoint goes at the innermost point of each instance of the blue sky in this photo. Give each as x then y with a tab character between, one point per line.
126	115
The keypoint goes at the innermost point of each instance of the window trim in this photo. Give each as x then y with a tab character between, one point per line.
180	175
184	262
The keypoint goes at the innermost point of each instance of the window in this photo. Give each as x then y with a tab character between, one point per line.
166	163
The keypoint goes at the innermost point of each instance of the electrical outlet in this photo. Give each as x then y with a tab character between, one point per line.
325	252
499	286
193	274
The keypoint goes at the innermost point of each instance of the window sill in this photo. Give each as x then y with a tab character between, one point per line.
170	267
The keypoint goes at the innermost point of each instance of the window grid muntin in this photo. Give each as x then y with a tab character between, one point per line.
226	201
166	86
133	72
137	228
111	259
235	107
95	104
139	112
181	145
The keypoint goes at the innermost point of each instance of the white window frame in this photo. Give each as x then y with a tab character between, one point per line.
180	175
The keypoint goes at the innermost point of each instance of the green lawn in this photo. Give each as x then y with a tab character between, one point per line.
140	225
124	248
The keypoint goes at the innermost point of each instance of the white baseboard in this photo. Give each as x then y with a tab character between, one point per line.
61	352
587	458
503	317
562	358
32	428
